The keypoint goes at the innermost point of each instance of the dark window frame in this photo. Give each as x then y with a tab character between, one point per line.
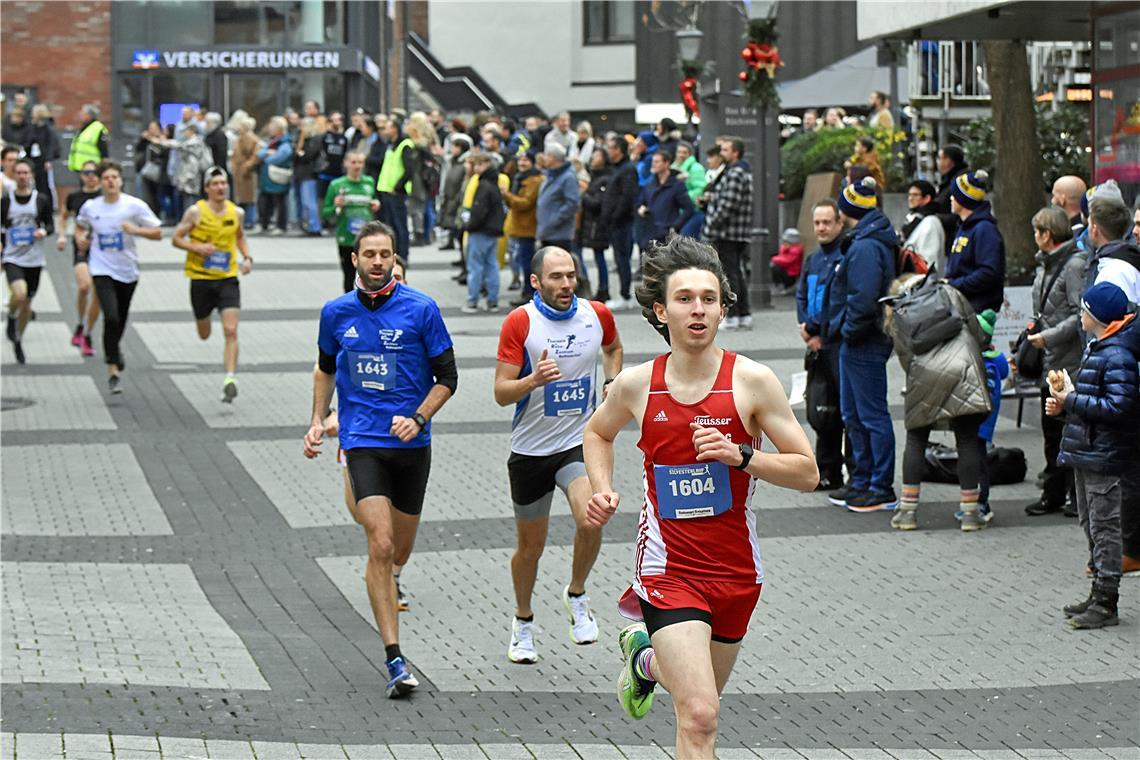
608	36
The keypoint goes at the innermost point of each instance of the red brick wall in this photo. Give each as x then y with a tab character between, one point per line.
61	49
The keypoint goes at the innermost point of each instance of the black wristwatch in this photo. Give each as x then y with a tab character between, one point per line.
419	419
746	453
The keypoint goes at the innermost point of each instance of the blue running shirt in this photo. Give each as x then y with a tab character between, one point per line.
383	363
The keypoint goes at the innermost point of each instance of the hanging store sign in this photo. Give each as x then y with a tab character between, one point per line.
243	59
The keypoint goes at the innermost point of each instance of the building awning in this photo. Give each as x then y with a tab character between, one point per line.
845	83
974	20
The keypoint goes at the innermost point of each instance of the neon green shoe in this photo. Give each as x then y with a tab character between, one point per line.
634	693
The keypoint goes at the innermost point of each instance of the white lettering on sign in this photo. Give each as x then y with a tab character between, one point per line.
261	59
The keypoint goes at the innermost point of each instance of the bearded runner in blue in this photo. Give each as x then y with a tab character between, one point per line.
387	350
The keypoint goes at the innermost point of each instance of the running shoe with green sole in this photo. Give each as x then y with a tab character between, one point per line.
635	694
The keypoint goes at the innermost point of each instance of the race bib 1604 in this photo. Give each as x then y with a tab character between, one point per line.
685	491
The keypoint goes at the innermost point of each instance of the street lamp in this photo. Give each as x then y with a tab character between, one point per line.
689	43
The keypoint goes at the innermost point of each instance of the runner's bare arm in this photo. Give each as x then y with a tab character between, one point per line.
612	355
179	240
510	387
323	386
598	443
760	399
243	242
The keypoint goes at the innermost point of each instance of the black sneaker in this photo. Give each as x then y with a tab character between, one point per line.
11	329
825	484
873	501
114	385
1041	507
18	349
838	497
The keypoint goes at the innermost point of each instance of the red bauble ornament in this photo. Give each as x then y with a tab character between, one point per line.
743	76
746	53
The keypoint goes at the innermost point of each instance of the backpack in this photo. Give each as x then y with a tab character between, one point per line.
925	317
429	172
910	261
821	398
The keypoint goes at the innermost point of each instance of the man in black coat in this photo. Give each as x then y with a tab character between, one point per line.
618	207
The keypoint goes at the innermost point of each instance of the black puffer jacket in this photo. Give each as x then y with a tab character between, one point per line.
487	214
1103	409
593	232
618	203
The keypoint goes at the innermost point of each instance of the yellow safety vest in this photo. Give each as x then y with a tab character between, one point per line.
393	168
221	230
85	146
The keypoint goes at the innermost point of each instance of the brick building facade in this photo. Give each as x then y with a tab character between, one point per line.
62	51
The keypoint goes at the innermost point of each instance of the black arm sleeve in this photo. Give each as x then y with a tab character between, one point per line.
445	371
326	362
43	213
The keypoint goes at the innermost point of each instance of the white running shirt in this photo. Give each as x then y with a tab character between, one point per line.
113	252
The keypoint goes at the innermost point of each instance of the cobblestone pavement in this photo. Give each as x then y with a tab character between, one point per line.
179	582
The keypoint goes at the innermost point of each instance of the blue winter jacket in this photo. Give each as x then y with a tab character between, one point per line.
863	276
997	370
976	264
1103	411
669	206
811	290
283	156
557	204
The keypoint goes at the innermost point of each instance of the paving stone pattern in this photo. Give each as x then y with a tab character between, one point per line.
179	582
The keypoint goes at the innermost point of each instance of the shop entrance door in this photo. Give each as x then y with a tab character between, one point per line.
259	95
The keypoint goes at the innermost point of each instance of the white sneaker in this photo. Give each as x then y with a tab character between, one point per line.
730	323
746	322
618	304
583	627
522	648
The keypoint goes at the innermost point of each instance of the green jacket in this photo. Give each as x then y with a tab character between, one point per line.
694	175
357	208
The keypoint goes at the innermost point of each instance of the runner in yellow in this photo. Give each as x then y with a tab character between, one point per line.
212	235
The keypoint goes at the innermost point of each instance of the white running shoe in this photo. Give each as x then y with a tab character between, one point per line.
731	323
522	648
619	304
746	322
583	627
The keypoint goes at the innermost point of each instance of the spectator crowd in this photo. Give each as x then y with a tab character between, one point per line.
496	189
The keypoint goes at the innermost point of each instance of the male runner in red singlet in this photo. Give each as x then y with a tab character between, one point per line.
701	411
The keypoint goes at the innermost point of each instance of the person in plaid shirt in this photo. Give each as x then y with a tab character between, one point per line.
728	225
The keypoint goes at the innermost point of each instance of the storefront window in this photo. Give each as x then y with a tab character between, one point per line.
132	119
327	88
249	22
179	22
171	91
1117	40
1116	97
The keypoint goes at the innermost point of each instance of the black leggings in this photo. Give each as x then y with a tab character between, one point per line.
965	440
115	300
267	204
346	266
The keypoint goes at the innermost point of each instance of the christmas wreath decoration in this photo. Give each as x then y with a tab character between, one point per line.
761	60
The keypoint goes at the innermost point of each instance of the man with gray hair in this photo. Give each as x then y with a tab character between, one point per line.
90	142
562	135
216	139
557	200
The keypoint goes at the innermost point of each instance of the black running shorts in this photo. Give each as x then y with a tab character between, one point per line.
401	475
534	478
30	275
207	295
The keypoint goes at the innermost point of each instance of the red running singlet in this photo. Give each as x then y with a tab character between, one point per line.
697	521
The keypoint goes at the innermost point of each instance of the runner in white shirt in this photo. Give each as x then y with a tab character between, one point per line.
107	227
547	367
26	218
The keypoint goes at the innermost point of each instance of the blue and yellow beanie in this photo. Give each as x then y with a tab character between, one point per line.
858	198
969	188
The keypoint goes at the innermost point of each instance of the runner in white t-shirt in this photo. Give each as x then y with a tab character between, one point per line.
106	227
547	367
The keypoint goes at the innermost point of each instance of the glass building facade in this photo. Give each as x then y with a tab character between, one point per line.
257	55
